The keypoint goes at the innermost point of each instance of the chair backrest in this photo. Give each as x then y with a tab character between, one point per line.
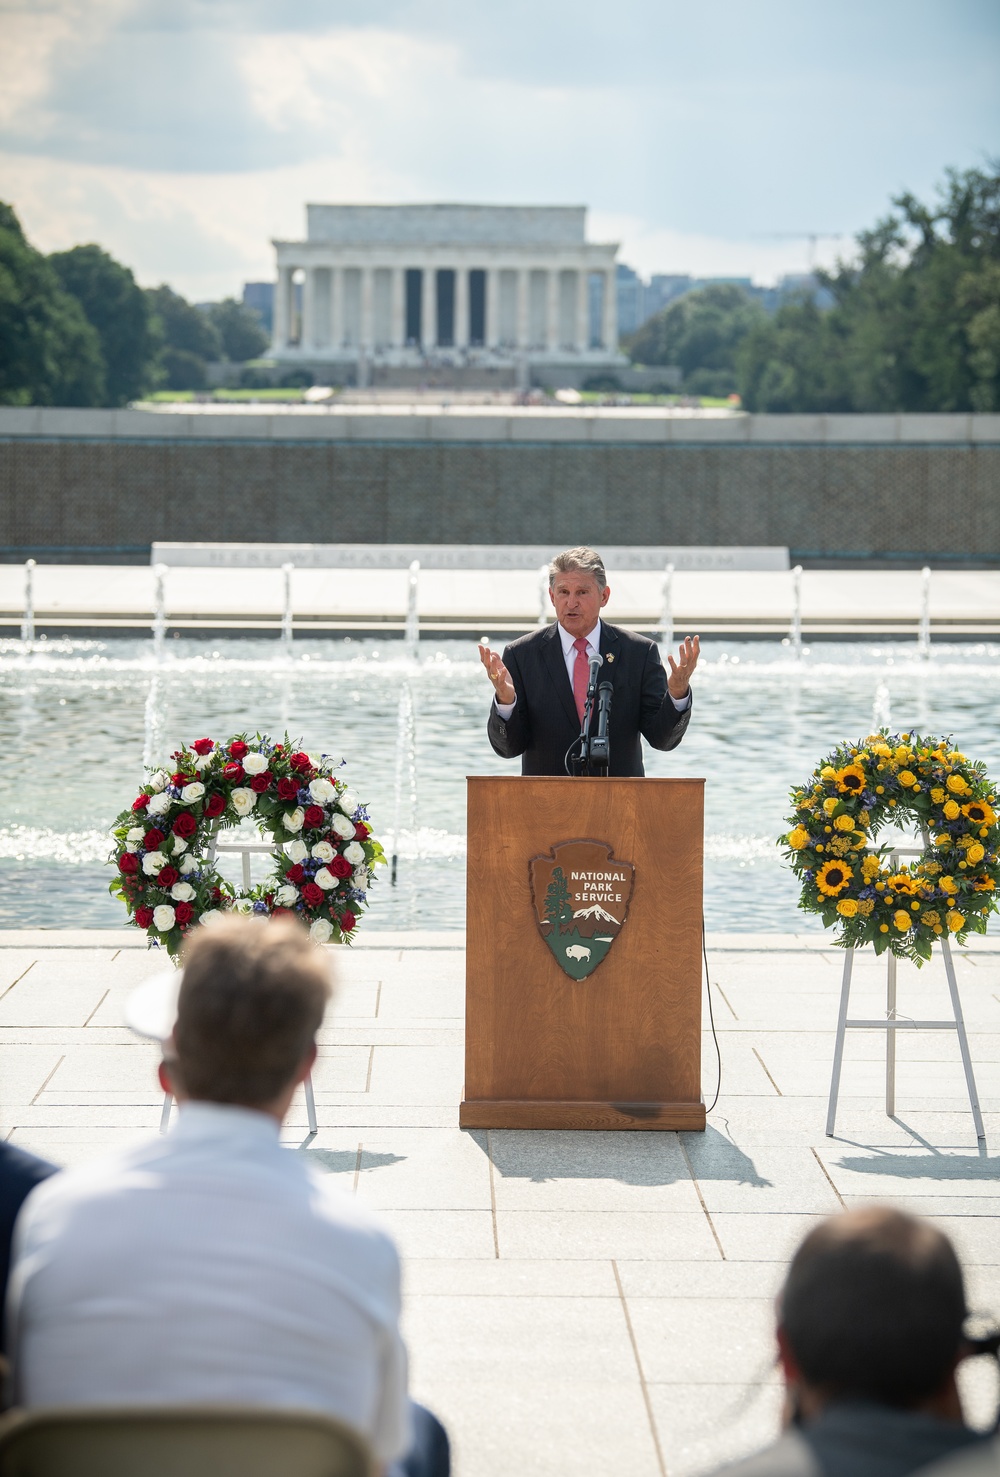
179	1441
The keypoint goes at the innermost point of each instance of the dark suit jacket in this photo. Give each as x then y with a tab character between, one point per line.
544	722
19	1174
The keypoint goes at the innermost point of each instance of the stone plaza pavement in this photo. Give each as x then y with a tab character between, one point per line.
575	1303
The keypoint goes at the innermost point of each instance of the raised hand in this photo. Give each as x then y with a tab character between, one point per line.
498	675
680	670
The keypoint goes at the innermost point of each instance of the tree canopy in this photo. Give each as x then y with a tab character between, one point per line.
702	333
49	353
239	330
120	312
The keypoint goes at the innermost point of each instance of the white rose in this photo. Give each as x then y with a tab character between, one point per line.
354	853
293	819
360	880
182	892
323	851
188	864
296	851
164	918
192	792
211	915
322	791
159	805
341	826
321	931
325	879
287	895
253	763
243	800
349	802
131	846
243	905
201	761
153	862
160	780
180	844
136	834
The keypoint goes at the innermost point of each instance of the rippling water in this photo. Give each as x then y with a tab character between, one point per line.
78	717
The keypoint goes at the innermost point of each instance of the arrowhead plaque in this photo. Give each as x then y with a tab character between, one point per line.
581	897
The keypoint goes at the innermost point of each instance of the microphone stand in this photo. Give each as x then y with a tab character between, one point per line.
600	744
579	763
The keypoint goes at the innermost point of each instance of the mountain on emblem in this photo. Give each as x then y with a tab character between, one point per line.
581	897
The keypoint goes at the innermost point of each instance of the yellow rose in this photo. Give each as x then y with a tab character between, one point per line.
937	794
882	750
828	772
901	919
844	823
798	838
955	920
831	804
902	754
957	785
949	885
975	853
847	907
943	840
906	777
952	810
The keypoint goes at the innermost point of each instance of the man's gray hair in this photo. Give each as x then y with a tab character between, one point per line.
583	559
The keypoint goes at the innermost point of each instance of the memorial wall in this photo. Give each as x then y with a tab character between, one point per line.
103	485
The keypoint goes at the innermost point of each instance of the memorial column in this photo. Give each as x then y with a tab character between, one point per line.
281	326
428	308
582	311
397	334
307	334
336	306
367	335
609	314
523	318
461	334
491	333
552	309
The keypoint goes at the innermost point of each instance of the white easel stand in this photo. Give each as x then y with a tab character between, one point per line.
892	1024
244	849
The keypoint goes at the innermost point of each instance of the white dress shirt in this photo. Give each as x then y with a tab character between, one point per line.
593	640
209	1265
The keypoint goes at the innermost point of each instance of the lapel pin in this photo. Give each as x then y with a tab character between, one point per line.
610	657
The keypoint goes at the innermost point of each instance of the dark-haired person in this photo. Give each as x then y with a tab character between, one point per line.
213	1264
20	1172
869	1338
540	682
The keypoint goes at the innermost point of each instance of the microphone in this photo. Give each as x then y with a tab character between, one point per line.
596	662
600	744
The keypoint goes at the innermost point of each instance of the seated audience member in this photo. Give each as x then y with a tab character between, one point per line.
214	1265
19	1174
869	1338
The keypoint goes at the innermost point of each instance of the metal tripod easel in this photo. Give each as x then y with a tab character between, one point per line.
245	849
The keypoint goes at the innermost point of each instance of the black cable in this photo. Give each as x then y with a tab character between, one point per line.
711	1016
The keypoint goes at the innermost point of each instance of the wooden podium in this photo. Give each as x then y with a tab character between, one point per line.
553	865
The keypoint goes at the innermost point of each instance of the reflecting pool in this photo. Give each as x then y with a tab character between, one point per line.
77	719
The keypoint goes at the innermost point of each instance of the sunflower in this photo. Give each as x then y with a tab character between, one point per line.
979	812
833	877
850	779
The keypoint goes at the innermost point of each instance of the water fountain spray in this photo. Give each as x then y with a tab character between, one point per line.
544	603
159	611
28	619
286	618
405	789
924	639
667	613
796	631
412	635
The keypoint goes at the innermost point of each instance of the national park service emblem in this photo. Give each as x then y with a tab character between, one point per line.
581	897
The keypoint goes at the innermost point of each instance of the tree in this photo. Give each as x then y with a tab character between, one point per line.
702	333
558	908
49	353
119	311
190	339
239	330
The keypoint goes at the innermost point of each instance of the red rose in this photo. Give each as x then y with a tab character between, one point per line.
347	922
215	805
144	917
340	867
312	895
128	863
279	748
300	761
183	912
282	913
185	825
238	749
295	873
217	894
153	838
140	802
361	831
288	788
203	746
313	817
233	773
261	782
178	779
167	877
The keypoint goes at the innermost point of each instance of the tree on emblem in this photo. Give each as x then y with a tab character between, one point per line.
558	909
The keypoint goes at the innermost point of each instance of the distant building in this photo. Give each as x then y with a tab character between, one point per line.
392	293
259	298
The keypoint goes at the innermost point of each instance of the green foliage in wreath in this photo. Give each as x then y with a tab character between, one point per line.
326	854
846	877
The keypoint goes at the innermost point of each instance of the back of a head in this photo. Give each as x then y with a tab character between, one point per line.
873	1307
251	1000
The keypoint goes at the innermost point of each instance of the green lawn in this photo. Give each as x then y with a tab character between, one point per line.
183	397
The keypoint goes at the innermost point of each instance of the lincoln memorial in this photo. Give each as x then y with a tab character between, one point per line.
485	293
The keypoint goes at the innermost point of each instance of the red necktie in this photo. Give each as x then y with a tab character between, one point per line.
581	675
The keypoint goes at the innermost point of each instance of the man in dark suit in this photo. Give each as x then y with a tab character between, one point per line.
540	683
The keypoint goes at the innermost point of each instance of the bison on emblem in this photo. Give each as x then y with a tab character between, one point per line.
581	897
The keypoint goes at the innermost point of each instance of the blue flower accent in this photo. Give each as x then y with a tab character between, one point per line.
261	907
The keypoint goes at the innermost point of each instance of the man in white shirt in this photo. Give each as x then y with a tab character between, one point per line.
213	1265
540	683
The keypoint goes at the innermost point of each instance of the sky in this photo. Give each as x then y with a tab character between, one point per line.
712	139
